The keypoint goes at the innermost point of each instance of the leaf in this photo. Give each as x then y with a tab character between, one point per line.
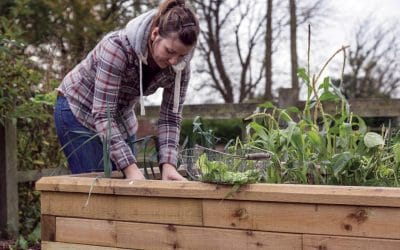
339	162
267	105
233	191
34	237
328	96
22	243
285	116
294	110
345	130
315	138
38	162
325	84
362	126
301	72
260	131
396	151
372	139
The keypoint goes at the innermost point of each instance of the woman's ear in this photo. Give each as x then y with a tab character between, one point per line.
154	34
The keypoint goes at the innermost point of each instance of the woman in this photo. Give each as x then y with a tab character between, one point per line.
153	51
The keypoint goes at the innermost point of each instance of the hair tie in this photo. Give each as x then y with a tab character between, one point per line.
188	25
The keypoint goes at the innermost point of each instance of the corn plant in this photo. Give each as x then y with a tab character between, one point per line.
316	147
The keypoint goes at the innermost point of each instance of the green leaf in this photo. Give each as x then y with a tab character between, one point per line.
345	130
22	243
294	110
301	72
396	151
362	126
315	138
34	237
372	139
260	131
340	161
328	96
325	84
285	116
267	105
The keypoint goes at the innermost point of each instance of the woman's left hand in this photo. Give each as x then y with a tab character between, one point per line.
170	173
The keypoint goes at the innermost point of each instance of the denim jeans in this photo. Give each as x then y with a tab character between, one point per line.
83	154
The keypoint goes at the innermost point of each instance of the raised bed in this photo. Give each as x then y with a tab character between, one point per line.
192	215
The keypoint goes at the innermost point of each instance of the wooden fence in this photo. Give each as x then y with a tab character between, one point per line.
10	176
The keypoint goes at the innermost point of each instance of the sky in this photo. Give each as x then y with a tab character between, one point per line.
334	31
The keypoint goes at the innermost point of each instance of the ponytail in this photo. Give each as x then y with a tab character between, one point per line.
174	16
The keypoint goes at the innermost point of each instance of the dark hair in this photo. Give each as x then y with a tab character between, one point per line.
174	16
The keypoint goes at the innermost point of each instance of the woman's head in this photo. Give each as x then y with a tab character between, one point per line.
174	32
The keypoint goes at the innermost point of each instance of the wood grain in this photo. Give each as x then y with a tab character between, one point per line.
48	227
164	236
46	245
312	242
125	208
314	194
378	222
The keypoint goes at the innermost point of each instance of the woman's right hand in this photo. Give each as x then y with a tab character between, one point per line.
132	172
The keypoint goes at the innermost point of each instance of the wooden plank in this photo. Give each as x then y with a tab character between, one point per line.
368	107
82	231
118	174
350	195
378	222
46	245
9	218
312	242
163	236
34	175
48	227
114	207
219	111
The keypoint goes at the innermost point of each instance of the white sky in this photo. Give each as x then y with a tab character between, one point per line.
335	31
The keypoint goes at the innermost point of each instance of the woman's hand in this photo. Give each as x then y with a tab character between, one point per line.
170	173
132	172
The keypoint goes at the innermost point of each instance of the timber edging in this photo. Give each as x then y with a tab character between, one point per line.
316	194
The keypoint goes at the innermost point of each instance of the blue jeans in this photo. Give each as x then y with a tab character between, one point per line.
83	155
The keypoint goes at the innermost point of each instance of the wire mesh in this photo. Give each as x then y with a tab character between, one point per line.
235	161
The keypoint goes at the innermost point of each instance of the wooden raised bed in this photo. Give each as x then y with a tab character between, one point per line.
192	215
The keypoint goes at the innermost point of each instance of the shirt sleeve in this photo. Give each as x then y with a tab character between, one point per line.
110	67
169	124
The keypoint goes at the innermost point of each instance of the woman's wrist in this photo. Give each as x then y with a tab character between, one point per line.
133	172
169	172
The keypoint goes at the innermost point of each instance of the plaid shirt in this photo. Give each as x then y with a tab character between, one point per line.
108	79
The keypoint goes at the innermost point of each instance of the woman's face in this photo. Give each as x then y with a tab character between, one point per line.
167	51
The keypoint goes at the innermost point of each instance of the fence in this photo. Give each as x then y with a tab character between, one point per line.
10	177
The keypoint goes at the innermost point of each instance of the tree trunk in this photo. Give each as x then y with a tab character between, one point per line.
293	47
268	54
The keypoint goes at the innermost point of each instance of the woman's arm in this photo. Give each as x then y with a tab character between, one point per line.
111	66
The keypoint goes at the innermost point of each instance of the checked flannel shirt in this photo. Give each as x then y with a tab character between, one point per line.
108	78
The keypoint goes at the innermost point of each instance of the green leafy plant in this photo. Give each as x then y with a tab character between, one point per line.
317	147
201	135
219	172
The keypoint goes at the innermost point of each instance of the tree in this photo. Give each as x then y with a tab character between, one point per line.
300	15
293	48
65	31
75	28
268	53
220	56
373	62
